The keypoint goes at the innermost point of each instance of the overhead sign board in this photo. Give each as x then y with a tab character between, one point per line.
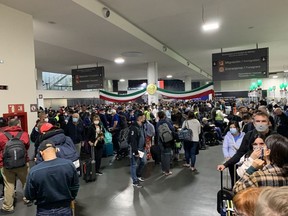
88	78
245	64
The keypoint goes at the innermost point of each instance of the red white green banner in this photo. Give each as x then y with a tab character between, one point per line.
185	95
121	98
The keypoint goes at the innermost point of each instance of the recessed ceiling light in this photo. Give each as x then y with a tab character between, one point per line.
210	26
1	61
275	77
169	76
119	60
122	80
285	71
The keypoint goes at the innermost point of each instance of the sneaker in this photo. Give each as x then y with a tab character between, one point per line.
5	212
186	165
28	203
140	179
194	170
99	173
138	185
168	173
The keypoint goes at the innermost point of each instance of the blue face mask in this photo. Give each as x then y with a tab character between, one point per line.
75	120
233	130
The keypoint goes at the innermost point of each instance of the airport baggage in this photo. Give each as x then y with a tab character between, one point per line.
224	199
89	170
156	153
107	149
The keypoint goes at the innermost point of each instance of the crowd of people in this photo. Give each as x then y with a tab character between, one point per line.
254	138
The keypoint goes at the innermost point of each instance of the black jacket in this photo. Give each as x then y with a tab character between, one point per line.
134	136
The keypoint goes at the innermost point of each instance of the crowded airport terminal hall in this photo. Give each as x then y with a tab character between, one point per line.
144	108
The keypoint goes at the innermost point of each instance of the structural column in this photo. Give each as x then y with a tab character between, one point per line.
152	77
188	80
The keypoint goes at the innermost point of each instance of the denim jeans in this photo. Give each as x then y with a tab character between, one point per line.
62	211
190	152
136	167
165	158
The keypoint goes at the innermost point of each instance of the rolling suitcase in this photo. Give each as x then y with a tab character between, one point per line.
224	199
107	150
89	172
156	153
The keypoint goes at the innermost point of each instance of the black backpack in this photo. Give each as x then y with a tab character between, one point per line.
14	154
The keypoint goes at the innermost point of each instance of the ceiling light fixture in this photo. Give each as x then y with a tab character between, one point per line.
119	60
275	77
285	71
169	76
122	80
210	26
1	61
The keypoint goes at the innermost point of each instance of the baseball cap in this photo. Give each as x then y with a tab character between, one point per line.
46	144
46	127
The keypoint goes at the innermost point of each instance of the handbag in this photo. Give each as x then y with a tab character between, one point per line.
185	133
107	137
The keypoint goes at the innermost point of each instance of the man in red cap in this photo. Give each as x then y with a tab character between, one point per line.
10	174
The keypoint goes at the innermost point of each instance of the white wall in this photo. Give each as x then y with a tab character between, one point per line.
243	85
18	70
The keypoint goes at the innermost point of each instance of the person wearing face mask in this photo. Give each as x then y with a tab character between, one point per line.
272	170
95	138
231	144
261	124
75	130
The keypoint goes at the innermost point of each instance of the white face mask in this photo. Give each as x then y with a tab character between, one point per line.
46	119
261	127
96	122
98	130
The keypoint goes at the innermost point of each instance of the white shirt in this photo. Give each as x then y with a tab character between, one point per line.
195	126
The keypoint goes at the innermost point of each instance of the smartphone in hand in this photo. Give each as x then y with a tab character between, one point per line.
262	154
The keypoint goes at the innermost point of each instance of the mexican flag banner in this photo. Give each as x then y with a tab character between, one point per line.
152	89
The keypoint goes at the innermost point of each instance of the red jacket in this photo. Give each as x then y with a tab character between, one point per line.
13	131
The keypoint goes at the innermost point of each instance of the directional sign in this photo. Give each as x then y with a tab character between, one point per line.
245	64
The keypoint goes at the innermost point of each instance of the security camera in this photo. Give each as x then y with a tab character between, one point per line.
106	12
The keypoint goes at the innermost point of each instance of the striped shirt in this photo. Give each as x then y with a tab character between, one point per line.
270	175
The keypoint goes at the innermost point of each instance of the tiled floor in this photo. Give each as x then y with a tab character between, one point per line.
183	193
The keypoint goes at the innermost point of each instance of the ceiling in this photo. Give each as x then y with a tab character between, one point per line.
85	37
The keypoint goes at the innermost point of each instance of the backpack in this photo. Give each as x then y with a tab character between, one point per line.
123	138
165	133
122	121
14	154
149	129
67	150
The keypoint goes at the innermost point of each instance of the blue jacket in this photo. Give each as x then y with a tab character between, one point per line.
230	146
52	183
64	144
75	132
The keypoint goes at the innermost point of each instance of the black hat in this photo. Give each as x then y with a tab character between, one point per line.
3	122
46	144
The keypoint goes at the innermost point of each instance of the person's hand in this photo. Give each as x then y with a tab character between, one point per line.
258	164
90	143
221	167
256	154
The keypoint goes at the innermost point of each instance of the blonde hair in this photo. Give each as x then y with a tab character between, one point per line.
245	200
272	201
